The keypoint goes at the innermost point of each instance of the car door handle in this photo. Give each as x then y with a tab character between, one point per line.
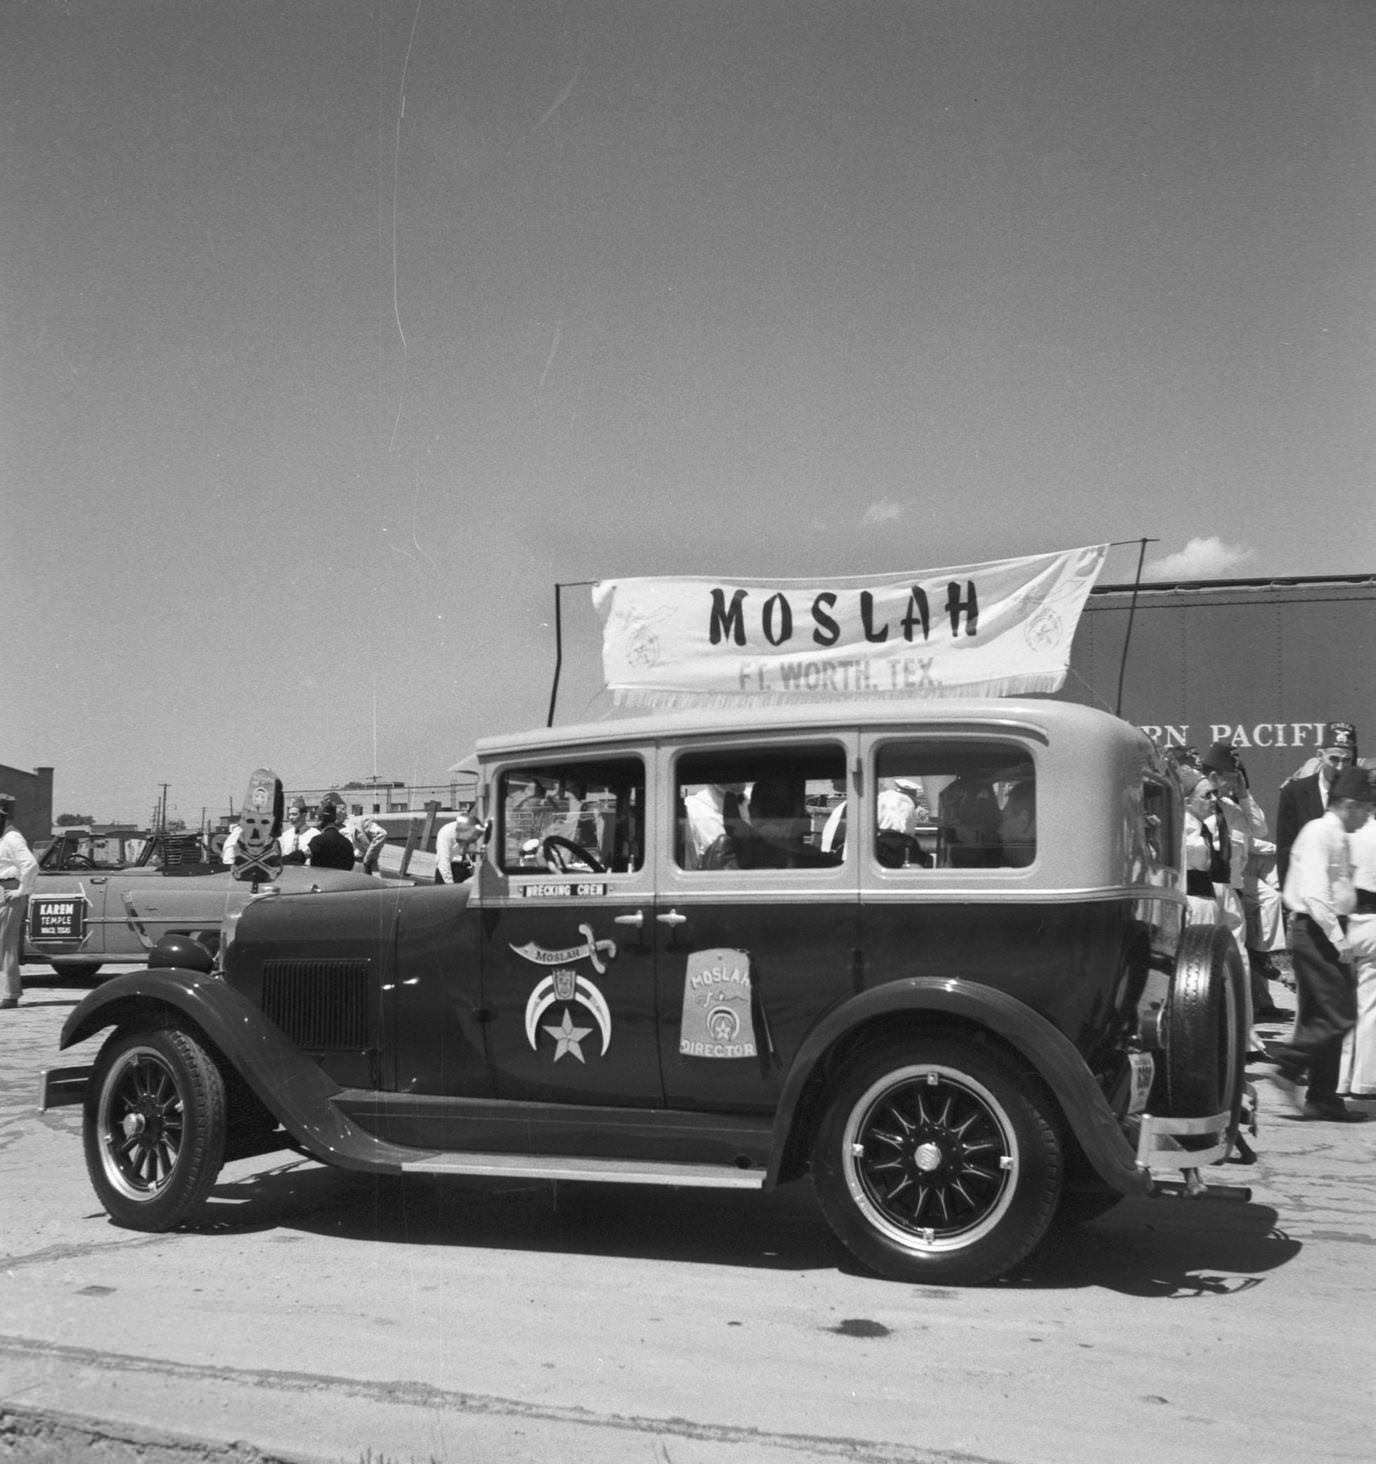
638	919
98	879
672	917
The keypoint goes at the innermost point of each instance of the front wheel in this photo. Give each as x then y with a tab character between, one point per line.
154	1127
938	1163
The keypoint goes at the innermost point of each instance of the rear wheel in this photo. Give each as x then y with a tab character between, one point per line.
937	1162
154	1127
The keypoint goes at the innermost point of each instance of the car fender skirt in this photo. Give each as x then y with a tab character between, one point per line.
1053	1056
293	1088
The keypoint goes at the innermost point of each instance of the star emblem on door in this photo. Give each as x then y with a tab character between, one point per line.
568	1038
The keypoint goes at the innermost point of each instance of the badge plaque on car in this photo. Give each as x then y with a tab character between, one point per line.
716	1006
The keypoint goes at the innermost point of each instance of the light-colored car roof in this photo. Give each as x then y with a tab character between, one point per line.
1055	719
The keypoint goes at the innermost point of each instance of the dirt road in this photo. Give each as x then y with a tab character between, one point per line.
326	1317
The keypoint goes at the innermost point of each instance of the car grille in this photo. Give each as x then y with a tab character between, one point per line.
323	1006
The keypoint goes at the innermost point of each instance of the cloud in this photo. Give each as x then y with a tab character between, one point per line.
1207	558
883	512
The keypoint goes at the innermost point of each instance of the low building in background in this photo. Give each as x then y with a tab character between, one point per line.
33	800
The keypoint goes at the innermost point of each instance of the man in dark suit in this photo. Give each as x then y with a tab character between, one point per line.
331	848
1303	799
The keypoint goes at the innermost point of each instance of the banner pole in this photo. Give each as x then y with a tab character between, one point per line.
1127	635
558	652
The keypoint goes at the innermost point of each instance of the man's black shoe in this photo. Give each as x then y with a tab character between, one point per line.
1332	1110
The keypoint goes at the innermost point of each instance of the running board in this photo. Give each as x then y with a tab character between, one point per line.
615	1171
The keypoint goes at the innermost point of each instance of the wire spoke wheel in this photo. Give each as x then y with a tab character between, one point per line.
938	1161
931	1157
141	1124
155	1127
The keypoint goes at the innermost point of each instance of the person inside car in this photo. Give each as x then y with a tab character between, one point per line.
777	835
970	812
1018	825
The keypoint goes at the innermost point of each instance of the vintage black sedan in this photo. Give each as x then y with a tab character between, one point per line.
936	959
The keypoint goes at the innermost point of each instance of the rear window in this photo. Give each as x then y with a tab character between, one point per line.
948	804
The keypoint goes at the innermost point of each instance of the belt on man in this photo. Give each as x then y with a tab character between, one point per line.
1318	929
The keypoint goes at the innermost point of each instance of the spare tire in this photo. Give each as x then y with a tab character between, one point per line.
1204	1031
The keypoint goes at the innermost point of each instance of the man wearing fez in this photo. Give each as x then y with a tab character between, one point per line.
1320	894
331	848
1302	799
18	875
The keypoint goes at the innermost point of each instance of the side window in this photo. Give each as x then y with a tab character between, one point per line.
573	816
760	808
1161	823
955	804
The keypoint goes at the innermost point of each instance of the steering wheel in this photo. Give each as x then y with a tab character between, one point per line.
79	861
558	850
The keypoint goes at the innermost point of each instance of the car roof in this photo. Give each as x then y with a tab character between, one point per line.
1052	719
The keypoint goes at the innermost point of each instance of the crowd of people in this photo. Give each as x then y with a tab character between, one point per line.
333	839
1306	895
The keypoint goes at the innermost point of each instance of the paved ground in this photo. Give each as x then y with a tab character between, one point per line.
323	1317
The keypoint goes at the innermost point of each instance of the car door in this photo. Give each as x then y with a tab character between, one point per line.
566	895
756	919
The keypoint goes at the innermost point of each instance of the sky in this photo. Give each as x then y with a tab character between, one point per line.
334	336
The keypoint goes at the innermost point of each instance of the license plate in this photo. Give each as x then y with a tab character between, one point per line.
1143	1075
53	917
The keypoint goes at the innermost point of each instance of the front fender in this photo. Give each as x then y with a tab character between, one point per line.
297	1093
1046	1049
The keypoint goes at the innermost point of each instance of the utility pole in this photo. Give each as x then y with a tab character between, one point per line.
162	812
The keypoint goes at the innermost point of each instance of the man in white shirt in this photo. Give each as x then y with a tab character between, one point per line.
295	829
715	812
453	849
895	809
1358	1075
1320	895
370	838
18	875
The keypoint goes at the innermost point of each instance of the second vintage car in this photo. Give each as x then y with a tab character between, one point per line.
936	959
107	897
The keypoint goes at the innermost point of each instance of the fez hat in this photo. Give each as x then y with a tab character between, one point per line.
1220	758
1353	783
1340	734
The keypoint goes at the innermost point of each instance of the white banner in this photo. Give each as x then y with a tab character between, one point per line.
992	629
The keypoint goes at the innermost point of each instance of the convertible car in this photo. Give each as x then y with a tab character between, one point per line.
675	964
105	897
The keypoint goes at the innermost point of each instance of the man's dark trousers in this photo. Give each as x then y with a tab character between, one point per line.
1327	1009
